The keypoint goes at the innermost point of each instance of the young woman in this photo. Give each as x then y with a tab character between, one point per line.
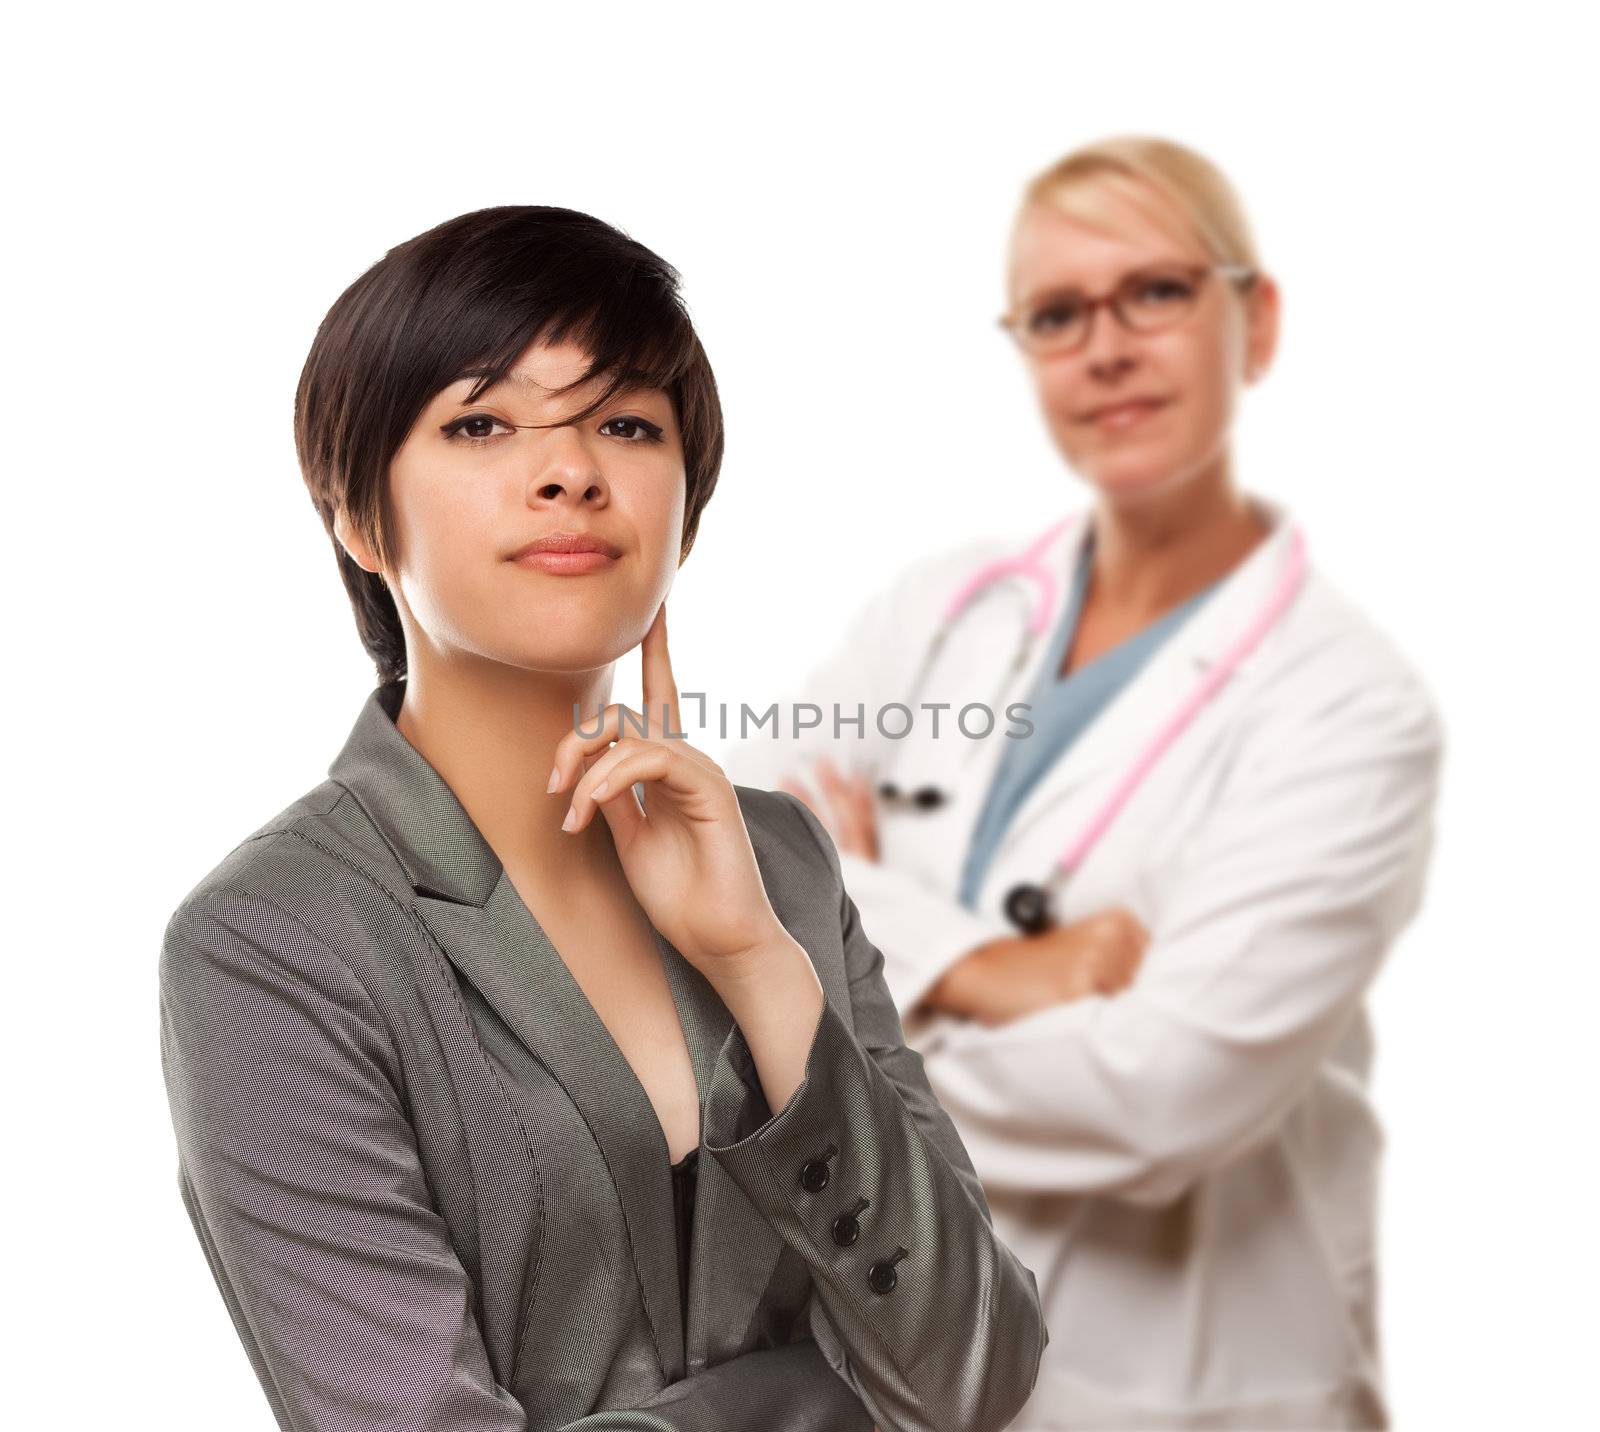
525	1073
1133	940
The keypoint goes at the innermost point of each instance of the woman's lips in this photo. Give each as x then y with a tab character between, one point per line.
1127	415
565	563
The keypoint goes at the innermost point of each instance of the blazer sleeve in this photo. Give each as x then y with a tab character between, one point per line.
919	1307
299	1169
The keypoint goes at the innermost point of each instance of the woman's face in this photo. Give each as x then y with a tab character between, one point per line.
1194	367
468	491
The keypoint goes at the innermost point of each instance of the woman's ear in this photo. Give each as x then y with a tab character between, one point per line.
351	540
1263	312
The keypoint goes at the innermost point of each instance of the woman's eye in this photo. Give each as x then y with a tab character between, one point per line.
474	428
633	430
1053	315
1159	291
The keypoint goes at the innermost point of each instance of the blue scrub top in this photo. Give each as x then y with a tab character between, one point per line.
1062	707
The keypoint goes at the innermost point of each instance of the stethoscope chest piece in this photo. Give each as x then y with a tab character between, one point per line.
923	798
1028	908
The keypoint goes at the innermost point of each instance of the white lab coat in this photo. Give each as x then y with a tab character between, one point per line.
1189	1166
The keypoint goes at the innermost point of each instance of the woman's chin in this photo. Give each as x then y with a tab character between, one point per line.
1131	483
556	648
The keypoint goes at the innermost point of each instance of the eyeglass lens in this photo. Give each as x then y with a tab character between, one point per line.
1146	300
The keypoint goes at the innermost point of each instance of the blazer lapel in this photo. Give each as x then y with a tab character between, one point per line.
464	898
501	949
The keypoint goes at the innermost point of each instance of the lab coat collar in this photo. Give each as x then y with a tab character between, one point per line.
463	897
1205	636
1119	732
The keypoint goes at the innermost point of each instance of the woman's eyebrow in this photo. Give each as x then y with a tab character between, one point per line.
515	380
1156	265
640	383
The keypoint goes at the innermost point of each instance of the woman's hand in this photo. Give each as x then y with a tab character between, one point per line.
1016	975
686	852
845	808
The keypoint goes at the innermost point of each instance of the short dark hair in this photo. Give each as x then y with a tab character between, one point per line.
464	300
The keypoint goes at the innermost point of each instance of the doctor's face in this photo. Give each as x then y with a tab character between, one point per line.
1191	369
468	490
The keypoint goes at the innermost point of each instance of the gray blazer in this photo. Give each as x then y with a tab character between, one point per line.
435	1196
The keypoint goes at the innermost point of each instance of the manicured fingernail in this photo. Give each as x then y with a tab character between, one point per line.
599	791
571	820
555	779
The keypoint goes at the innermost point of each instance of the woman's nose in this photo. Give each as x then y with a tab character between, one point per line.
1110	349
565	468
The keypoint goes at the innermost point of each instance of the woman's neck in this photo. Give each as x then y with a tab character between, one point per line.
491	731
1150	558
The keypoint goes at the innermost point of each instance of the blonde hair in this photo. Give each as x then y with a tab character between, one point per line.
1175	187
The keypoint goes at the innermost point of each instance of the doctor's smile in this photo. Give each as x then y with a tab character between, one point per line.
1125	414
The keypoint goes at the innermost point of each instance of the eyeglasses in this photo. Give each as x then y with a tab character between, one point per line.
1145	301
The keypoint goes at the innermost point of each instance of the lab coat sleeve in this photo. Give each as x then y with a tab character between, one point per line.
299	1169
1286	902
921	931
955	1341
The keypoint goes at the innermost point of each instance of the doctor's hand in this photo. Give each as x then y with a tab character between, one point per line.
1016	975
686	853
845	808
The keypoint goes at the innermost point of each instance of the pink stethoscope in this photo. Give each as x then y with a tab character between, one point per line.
1030	907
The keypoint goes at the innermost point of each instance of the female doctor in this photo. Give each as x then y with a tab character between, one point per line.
1131	927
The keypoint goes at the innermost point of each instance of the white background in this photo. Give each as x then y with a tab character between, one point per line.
190	189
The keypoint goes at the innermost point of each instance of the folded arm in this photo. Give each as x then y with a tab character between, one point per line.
1279	919
922	932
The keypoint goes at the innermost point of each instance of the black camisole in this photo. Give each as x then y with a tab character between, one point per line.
684	1178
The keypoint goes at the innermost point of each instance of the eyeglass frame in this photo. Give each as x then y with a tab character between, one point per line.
1094	302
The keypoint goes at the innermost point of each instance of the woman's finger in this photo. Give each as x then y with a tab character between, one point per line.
864	794
841	802
660	689
616	722
628	762
613	795
596	785
866	813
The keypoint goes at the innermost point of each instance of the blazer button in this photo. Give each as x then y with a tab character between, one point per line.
814	1171
845	1227
881	1276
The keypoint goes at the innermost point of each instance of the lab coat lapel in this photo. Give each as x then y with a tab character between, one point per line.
1116	736
982	639
465	900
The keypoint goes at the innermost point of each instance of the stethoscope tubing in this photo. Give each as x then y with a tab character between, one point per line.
1283	593
1029	905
